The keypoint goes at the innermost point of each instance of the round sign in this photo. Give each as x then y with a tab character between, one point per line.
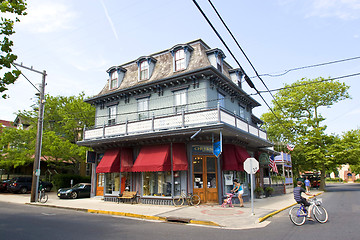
251	165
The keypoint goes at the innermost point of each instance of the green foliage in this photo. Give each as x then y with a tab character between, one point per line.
17	147
269	190
17	8
302	123
64	180
333	180
64	121
259	190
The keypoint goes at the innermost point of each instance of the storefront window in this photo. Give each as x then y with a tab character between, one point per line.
229	177
157	184
112	183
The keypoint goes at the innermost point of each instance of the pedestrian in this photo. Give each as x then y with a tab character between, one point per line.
307	184
239	191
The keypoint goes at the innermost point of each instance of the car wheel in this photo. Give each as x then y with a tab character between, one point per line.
23	190
74	195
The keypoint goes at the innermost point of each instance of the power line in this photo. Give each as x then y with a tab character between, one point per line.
304	67
247	79
304	84
237	43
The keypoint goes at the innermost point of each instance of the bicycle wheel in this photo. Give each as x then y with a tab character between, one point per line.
320	214
178	201
195	200
43	198
297	215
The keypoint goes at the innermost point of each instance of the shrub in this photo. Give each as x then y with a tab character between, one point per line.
64	180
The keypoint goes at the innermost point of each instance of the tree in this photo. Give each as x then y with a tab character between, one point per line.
16	7
64	121
298	109
17	147
348	150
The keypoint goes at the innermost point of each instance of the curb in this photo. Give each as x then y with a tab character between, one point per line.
133	215
280	210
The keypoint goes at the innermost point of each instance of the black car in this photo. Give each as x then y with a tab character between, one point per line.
77	191
23	185
3	185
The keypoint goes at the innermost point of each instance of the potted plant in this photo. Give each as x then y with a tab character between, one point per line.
269	191
258	191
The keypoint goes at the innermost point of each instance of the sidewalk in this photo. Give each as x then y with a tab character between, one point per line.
210	215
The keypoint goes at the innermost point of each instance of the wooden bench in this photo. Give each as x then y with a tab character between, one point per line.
130	196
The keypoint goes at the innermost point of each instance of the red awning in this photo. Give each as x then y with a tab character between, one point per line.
126	157
110	162
241	156
153	159
229	158
180	161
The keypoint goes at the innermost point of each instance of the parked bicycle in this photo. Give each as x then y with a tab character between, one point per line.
190	198
298	214
43	197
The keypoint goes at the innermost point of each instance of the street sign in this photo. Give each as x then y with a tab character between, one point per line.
251	165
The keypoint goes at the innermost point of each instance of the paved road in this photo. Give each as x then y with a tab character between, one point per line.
31	222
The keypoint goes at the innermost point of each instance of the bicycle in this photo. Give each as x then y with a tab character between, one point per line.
190	198
298	214
43	197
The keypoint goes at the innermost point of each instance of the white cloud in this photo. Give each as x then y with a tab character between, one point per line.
48	16
343	9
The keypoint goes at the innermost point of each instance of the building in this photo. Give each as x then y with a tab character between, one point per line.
158	118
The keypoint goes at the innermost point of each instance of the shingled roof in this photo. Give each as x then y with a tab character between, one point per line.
163	67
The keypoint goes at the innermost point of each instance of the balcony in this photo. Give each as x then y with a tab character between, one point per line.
159	124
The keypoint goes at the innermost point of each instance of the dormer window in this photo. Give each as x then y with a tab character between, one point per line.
144	70
179	60
113	80
216	58
181	56
146	66
116	75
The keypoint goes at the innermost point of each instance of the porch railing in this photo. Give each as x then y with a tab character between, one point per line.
198	118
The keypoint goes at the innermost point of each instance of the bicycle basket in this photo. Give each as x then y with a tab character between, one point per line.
318	201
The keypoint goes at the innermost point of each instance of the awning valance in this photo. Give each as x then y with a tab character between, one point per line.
110	162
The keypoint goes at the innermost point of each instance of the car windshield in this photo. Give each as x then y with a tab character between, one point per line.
79	185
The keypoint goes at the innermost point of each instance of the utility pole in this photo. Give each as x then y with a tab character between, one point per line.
36	167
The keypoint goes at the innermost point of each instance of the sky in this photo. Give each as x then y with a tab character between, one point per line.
75	42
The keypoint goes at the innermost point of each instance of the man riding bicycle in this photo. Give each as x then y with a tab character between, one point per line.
299	199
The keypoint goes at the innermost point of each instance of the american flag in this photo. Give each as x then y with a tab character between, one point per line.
272	164
290	147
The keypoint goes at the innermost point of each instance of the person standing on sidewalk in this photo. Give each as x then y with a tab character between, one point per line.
307	184
239	191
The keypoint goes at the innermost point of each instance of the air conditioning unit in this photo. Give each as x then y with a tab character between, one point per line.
111	122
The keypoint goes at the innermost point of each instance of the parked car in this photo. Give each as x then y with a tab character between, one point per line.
23	185
77	191
3	185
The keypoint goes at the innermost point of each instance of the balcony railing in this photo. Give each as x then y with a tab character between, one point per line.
198	118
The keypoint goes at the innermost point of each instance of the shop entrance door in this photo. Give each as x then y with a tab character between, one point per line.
205	178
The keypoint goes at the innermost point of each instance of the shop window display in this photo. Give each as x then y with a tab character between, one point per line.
157	184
